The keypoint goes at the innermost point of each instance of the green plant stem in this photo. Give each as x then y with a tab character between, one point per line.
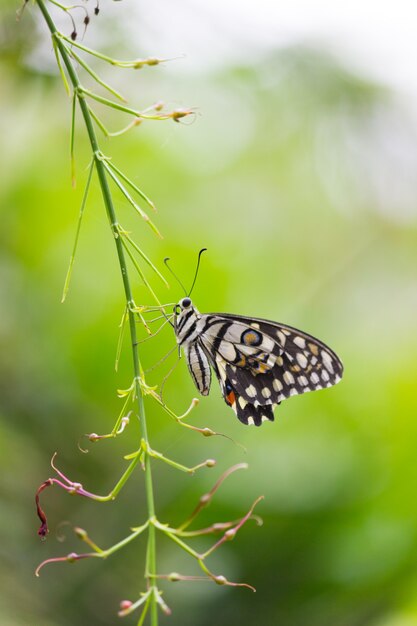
108	201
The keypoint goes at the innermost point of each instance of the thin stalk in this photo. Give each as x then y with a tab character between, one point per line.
72	136
61	70
135	64
77	233
108	202
107	102
132	184
174	115
95	76
99	55
99	123
120	483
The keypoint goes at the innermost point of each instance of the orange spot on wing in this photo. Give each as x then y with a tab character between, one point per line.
231	398
250	338
314	349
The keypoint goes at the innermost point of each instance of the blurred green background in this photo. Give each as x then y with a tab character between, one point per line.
299	176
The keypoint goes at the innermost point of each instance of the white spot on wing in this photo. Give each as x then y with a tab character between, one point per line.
327	361
266	392
267	343
289	378
325	375
271	361
242	402
300	342
302	361
302	380
227	350
315	378
251	391
281	337
250	420
277	384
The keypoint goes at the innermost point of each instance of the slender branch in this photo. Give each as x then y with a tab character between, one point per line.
108	202
135	64
93	74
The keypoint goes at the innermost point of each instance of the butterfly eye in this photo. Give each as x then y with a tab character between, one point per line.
185	303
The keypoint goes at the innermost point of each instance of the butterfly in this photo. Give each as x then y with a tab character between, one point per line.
258	363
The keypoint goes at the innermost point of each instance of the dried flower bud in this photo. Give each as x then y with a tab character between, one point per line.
43	529
179	114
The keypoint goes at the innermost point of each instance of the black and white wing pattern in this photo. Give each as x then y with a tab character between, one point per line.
258	363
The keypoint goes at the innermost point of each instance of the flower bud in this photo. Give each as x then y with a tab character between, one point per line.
80	532
125	604
230	534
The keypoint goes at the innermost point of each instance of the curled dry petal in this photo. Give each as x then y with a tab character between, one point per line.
43	529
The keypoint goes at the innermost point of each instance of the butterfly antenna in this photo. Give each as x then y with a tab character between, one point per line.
196	269
173	273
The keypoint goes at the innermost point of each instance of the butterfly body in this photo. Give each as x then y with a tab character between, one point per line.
258	363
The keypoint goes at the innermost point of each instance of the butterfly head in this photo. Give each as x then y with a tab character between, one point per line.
186	316
183	305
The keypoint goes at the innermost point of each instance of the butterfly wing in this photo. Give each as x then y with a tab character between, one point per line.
259	363
246	411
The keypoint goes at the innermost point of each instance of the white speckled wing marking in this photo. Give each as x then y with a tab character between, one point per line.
265	363
258	363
